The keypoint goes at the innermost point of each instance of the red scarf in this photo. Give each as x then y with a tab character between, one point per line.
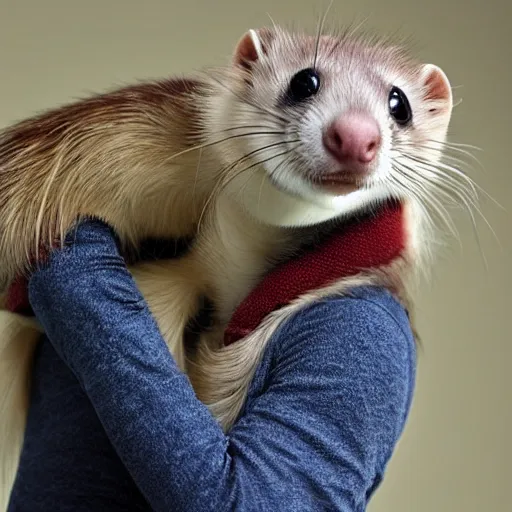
374	241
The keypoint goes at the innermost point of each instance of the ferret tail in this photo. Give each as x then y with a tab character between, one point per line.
18	339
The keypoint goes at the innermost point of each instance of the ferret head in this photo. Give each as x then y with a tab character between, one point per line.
323	126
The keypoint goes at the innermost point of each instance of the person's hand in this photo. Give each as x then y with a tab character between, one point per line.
74	280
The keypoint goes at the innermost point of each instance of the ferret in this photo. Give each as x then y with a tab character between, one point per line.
250	160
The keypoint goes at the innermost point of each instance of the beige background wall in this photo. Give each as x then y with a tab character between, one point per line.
456	452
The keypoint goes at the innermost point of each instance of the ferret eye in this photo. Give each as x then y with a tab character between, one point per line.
304	85
399	106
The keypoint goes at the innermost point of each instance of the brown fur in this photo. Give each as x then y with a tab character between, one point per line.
103	156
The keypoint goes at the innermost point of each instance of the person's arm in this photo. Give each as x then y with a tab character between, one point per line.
336	393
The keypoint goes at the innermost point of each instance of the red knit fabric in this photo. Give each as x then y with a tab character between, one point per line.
17	294
373	242
17	297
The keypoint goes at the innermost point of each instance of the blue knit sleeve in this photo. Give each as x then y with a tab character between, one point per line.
324	412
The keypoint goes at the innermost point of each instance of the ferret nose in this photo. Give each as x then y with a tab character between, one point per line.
353	138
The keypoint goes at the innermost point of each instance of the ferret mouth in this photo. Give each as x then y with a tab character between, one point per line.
340	183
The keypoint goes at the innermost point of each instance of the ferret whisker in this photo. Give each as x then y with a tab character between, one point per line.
260	192
426	192
452	153
464	149
440	153
441	147
439	211
352	30
449	182
442	169
248	109
459	145
292	159
476	187
263	178
229	177
471	205
243	170
247	101
452	189
274	24
437	166
214	143
244	126
224	182
405	189
469	209
319	32
429	198
460	189
195	180
225	173
457	103
246	183
441	166
466	167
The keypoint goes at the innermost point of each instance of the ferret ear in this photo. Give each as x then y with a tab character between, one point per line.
436	87
252	47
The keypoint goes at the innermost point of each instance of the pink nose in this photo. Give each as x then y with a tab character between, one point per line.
353	138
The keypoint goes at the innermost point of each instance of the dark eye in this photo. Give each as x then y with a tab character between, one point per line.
399	106
304	85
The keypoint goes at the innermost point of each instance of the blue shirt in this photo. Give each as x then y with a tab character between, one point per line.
124	430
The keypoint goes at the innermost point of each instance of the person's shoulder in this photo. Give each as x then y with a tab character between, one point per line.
365	333
356	351
372	315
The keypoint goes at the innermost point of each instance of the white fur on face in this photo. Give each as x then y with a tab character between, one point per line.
288	146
